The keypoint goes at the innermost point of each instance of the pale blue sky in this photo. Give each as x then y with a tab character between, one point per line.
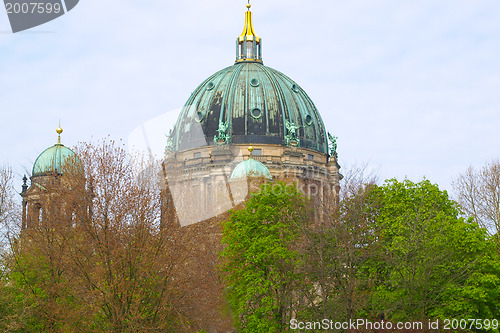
411	87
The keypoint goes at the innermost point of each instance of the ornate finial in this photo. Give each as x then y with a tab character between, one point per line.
248	44
25	185
250	149
59	130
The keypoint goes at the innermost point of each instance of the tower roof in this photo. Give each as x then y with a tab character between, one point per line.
52	159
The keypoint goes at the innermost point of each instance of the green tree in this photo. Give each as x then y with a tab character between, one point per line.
337	249
424	252
478	296
261	261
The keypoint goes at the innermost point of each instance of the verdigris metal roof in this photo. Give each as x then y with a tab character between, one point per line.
250	168
52	159
249	103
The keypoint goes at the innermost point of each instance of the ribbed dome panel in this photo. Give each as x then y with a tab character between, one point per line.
254	102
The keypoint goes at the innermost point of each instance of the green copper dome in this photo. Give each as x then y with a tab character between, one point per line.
249	103
250	168
52	160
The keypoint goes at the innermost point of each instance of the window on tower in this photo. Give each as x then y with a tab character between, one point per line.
249	50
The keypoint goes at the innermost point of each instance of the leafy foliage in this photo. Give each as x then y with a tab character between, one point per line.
261	259
399	252
426	253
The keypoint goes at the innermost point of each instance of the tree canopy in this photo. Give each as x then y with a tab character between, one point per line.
261	260
99	260
425	251
400	251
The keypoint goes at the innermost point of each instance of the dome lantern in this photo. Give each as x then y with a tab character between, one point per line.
248	44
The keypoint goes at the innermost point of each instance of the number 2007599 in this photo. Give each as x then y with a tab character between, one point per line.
462	324
32	8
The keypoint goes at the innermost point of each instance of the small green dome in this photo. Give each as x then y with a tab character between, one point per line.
52	160
250	168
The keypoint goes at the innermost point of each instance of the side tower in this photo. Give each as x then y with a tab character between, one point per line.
49	183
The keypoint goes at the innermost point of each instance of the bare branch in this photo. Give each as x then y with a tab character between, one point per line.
479	195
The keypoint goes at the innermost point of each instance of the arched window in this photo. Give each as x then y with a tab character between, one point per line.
37	214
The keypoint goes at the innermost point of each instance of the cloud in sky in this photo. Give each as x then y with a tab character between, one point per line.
410	87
